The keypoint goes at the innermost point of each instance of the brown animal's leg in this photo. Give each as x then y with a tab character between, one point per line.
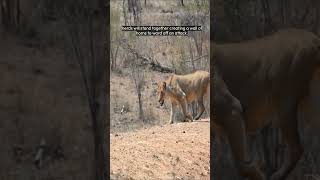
227	112
173	111
235	130
184	105
201	106
290	134
218	153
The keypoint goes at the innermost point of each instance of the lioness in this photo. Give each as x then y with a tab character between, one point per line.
184	89
262	82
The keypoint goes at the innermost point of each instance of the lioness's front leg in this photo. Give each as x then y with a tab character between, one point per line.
183	103
173	111
228	113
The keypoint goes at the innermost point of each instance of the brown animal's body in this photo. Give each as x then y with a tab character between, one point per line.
184	89
262	82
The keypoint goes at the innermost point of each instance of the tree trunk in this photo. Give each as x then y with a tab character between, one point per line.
317	17
283	12
97	96
10	14
141	114
267	17
124	12
192	57
18	14
181	2
92	65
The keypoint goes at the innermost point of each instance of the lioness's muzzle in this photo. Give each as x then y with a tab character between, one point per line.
161	102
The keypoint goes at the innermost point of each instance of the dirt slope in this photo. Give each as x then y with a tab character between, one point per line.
177	151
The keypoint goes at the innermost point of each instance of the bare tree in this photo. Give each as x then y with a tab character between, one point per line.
114	52
139	82
317	17
134	9
85	43
198	39
124	11
192	56
10	13
267	16
283	8
197	2
181	2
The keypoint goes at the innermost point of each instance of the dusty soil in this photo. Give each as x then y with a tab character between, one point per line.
176	151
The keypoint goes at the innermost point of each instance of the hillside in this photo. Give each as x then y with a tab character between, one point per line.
176	151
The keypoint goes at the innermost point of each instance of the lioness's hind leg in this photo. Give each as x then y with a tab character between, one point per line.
201	106
291	137
184	105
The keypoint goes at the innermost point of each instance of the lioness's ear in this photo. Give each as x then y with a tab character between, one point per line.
164	84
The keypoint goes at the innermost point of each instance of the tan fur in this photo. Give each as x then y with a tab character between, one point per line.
262	82
183	90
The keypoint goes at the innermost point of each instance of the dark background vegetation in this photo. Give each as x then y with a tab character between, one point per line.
53	89
236	20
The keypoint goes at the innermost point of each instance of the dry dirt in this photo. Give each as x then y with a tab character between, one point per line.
176	151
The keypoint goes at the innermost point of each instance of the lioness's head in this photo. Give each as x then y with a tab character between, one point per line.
161	92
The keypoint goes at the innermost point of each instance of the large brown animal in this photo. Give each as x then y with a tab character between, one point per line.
184	89
262	82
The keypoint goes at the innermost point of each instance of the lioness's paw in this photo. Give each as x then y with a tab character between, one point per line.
197	118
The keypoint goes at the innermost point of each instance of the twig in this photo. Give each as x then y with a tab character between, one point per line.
155	65
40	154
196	59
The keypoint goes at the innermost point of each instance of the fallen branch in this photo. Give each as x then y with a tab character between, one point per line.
160	68
154	64
197	59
